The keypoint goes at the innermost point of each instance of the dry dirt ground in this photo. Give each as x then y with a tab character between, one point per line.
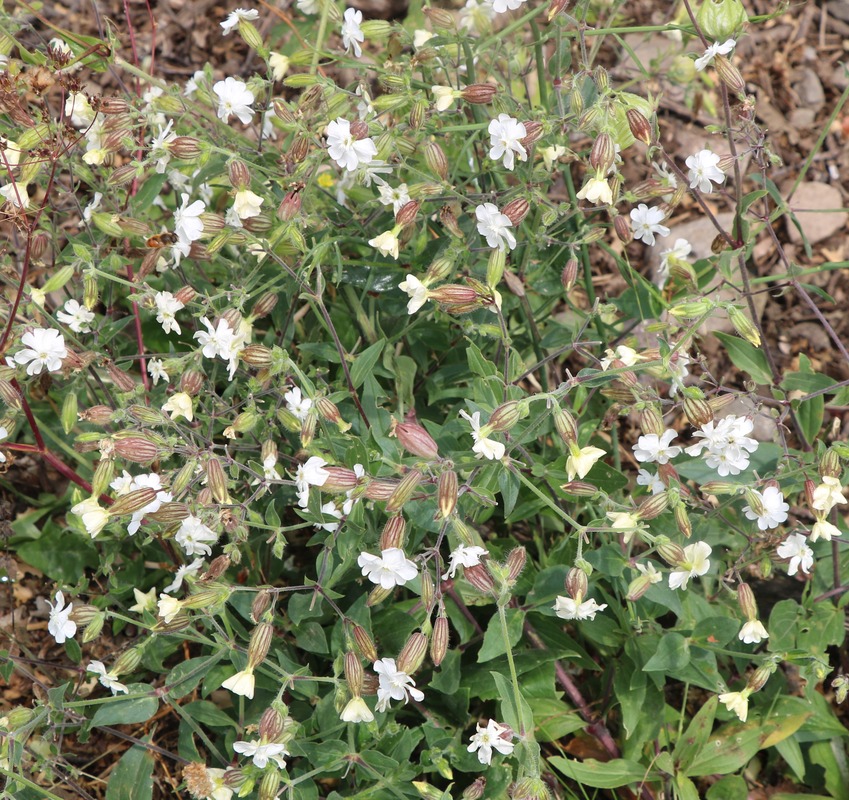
792	66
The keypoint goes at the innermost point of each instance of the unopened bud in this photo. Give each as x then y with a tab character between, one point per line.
475	790
516	560
579	489
260	605
407	213
428	591
217	480
564	424
354	673
439	640
435	157
516	210
393	534
653	506
419	109
128	661
239	175
416	440
94	627
743	325
133	501
170	513
412	654
136	449
729	75
622	228
380	489
404	491
692	309
256	355
308	424
682	520
746	599
698	410
446	493
569	274
533	130
377	595
269	785
638	587
479	577
185	147
651	420
640	126
365	644
123	382
440	18
299	149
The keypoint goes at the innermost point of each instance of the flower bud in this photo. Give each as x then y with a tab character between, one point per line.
128	661
260	604
308	424
622	228
404	491
569	274
435	157
742	324
760	676
746	599
516	560
475	790
407	213
185	147
638	587
299	149
269	785
354	673
651	420
653	506
579	489
217	480
136	449
479	93
123	382
415	439
729	75
439	640
641	128
419	109
380	489
412	654
93	629
479	577
446	493
692	309
256	355
133	501
533	130
565	425
440	18
516	210
671	553
720	487
377	595
698	410
170	513
682	520
103	476
84	614
239	175
10	395
394	533
210	597
365	644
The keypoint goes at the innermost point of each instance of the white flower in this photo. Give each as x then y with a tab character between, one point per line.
192	83
581	460
193	536
242	683
297	404
703	169
505	133
476	15
597	191
678	252
695	564
738	702
752	632
168	607
483	446
627	355
416	291
179	405
421	38
464	556
247	204
649	571
329	509
166	307
356	710
3	434
390	569
774	508
550	155
217	341
444	97
500	6
310	473
727	444
494	227
493	736
220	790
396	197
107	679
394	684
16	194
148	481
712	52
652	481
78	318
352	34
156	370
346	151
60	625
262	753
567	608
234	17
145	601
10	154
92	206
159	151
796	549
187	222
79	110
182	571
647	223
828	494
652	447
678	363
234	97
44	348
824	530
386	243
308	6
93	517
279	65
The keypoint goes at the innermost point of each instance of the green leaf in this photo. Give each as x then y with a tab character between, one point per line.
132	778
746	357
831	756
209	714
673	653
364	363
629	683
554	719
732	787
810	412
508	483
791	752
478	364
693	740
137	706
187	675
62	555
685	789
782	626
517	718
601	774
493	640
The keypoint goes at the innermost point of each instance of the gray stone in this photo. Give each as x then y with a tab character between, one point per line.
818	220
809	88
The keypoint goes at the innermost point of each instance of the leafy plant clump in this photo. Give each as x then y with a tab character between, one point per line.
361	489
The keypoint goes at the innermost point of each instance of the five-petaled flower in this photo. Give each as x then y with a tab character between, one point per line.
242	683
352	33
492	737
234	97
647	222
44	348
773	509
581	460
495	227
194	537
393	684
262	752
464	556
77	317
60	625
569	608
597	191
738	702
752	632
652	447
107	679
356	710
298	404
795	547
714	50
344	149
416	291
695	564
390	569
505	135
703	171
483	446
234	17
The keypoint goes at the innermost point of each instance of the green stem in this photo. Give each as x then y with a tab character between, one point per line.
514	676
547	500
